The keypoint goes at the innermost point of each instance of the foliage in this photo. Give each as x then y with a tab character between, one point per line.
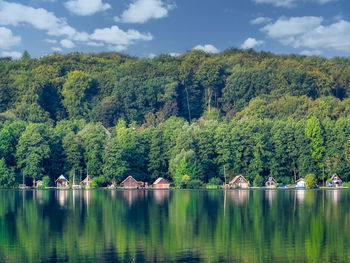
258	181
46	181
7	176
310	180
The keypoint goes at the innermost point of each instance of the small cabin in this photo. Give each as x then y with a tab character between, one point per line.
39	183
161	183
239	182
62	181
336	181
87	181
301	183
271	182
130	183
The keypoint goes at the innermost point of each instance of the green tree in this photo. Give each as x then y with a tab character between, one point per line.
7	175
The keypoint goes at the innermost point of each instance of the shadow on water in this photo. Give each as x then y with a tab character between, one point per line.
174	225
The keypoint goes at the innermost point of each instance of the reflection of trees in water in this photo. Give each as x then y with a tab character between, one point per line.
258	226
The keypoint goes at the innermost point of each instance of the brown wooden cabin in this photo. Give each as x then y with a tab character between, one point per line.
62	181
271	182
239	182
161	183
336	181
130	183
87	181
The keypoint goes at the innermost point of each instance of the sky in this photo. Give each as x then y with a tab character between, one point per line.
148	28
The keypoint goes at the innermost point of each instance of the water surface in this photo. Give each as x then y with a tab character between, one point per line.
178	225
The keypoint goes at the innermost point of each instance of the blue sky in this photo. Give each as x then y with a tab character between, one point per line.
146	28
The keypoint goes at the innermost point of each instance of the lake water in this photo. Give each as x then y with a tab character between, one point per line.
177	225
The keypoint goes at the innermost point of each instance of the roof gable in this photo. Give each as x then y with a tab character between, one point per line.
61	178
161	180
238	178
129	179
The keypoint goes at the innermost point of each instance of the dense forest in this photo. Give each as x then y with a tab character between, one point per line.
195	118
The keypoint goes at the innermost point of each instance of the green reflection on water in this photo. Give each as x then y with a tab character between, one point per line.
179	225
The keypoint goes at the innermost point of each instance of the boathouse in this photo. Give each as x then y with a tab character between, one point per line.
161	183
130	183
271	182
87	181
336	181
239	182
301	183
62	181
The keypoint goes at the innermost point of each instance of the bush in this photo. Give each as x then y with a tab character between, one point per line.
215	181
99	181
46	182
346	184
194	184
285	180
258	181
310	181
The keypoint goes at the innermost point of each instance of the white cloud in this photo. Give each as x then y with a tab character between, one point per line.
174	54
117	39
51	41
57	49
14	14
315	52
207	48
86	7
95	44
7	39
152	55
309	32
141	11
260	20
13	54
66	43
251	43
290	3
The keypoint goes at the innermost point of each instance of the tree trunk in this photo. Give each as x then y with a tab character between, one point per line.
188	105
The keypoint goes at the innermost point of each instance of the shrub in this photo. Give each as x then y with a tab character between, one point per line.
46	182
194	184
258	181
285	180
215	181
99	181
310	180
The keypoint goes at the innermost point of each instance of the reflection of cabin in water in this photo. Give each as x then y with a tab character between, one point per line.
239	182
130	183
62	181
87	181
161	183
271	182
336	181
238	196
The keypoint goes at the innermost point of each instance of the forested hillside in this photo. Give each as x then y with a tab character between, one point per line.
187	118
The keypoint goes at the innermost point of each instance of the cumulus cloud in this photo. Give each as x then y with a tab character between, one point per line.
117	39
310	32
290	3
66	43
141	11
13	54
174	54
251	43
311	52
14	14
207	48
56	49
50	41
86	7
260	20
95	44
7	39
152	55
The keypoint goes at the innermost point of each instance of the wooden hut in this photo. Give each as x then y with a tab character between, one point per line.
271	182
161	183
130	183
239	182
336	181
301	183
87	181
62	181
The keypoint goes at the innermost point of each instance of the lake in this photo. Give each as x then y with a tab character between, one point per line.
175	225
